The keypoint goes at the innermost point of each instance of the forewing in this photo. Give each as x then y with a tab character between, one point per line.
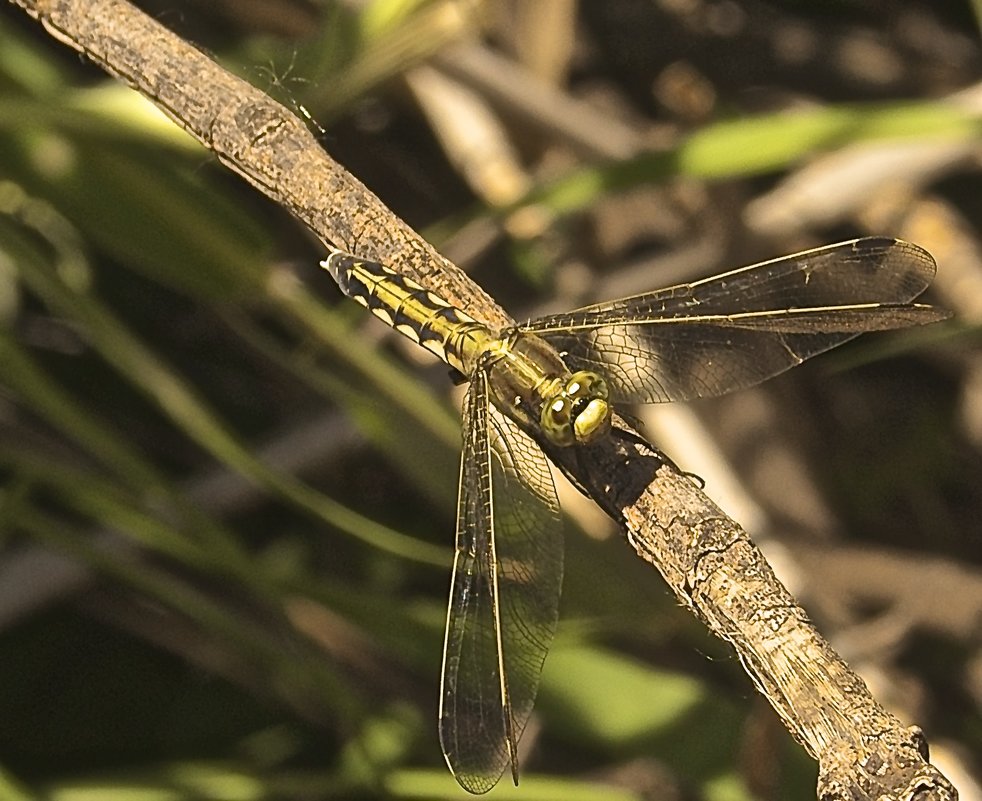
504	597
739	328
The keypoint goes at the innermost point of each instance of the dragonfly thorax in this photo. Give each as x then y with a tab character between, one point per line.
529	382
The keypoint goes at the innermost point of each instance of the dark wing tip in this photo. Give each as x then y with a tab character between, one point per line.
888	247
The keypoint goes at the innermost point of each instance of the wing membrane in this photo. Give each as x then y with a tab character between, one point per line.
504	597
736	329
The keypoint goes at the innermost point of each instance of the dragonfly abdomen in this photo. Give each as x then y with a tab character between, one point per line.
527	379
413	311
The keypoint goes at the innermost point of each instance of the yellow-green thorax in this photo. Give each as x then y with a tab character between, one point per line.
527	379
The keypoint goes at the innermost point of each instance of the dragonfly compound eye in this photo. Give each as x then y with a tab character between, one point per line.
579	412
592	420
556	420
591	412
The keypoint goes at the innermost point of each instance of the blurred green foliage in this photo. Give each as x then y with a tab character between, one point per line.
221	628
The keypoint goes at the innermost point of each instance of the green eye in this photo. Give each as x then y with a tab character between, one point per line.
586	385
592	421
555	420
578	412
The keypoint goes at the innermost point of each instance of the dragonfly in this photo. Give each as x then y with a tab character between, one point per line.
556	380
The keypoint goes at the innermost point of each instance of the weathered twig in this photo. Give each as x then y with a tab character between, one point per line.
714	569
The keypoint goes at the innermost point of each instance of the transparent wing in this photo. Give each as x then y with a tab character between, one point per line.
739	328
504	595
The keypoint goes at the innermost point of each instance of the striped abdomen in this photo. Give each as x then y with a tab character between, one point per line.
413	311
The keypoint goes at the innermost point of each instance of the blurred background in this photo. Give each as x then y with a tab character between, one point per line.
226	520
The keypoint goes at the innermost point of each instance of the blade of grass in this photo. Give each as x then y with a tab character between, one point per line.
103	500
24	377
295	672
382	421
395	384
13	790
145	370
155	217
104	114
203	781
433	785
385	621
384	51
759	145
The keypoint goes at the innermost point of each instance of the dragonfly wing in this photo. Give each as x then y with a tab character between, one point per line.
739	328
504	597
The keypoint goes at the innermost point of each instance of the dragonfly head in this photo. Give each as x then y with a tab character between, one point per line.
578	412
